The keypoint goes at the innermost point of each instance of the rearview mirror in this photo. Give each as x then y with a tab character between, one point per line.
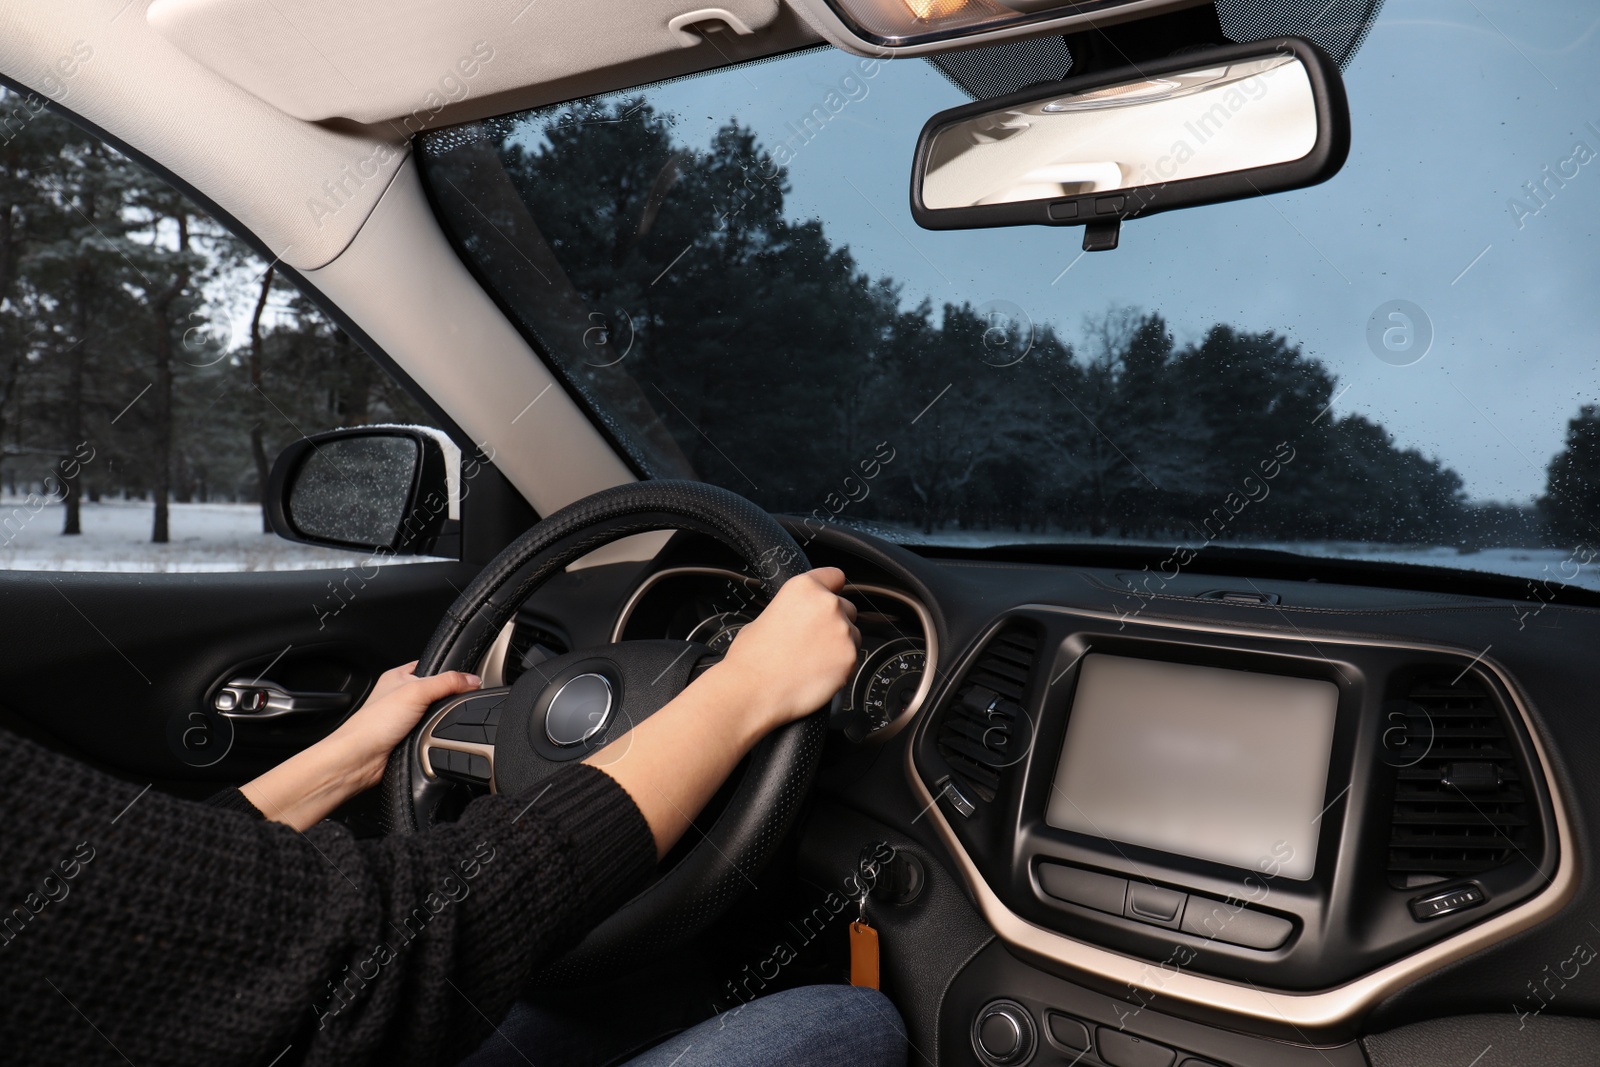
1208	126
382	489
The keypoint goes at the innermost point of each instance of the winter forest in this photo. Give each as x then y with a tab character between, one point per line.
148	355
145	353
765	357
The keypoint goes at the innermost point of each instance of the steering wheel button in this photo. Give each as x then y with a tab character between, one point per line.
474	712
462	731
478	766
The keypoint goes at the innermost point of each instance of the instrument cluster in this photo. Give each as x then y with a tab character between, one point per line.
894	665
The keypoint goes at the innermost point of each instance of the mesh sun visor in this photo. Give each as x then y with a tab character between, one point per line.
1338	26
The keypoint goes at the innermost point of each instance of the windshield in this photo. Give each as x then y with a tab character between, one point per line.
1396	365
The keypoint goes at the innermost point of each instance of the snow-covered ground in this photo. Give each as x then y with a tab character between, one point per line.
116	537
228	537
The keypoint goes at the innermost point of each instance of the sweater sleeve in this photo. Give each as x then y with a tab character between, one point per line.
190	933
235	800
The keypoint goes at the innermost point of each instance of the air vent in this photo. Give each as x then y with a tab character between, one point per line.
1460	805
530	644
985	730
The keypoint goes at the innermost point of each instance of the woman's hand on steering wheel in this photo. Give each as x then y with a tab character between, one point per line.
305	788
397	703
798	652
785	665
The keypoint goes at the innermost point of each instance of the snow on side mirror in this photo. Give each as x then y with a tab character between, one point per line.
383	489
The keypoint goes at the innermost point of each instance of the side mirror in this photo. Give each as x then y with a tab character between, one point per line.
1219	124
385	489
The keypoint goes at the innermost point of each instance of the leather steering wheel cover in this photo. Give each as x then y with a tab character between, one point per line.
776	776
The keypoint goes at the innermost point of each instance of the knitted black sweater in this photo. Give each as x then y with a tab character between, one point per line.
138	928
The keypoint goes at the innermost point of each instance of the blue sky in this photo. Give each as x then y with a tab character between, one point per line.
1454	106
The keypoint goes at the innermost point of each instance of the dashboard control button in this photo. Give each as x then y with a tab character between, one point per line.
958	800
1068	1032
1234	925
1003	1034
1153	904
1438	905
1101	892
1121	1049
1000	1036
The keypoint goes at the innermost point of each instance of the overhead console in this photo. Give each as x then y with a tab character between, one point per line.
1274	827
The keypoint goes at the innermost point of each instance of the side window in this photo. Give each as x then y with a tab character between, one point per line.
151	367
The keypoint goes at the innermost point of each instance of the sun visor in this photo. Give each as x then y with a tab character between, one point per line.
374	61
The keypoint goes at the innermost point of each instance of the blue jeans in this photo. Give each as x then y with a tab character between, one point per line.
812	1026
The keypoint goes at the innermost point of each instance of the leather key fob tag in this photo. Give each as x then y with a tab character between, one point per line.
863	955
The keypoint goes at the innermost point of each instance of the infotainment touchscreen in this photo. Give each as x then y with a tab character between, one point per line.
1222	765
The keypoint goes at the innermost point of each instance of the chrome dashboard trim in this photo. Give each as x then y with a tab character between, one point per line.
930	635
1329	1014
653	580
930	665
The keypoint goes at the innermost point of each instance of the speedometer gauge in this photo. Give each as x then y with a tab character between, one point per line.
719	630
719	641
892	684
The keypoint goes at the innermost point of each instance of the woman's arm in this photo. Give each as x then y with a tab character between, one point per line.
782	666
303	789
141	909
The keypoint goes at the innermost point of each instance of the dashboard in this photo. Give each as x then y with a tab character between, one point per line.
1255	819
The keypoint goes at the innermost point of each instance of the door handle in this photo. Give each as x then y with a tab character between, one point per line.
256	698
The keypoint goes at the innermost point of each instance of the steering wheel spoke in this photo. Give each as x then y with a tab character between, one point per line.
458	737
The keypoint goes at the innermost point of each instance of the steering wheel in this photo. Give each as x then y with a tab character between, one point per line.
512	737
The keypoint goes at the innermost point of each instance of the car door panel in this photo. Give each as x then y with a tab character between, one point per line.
123	669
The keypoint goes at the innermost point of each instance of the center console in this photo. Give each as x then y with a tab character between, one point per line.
1263	830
